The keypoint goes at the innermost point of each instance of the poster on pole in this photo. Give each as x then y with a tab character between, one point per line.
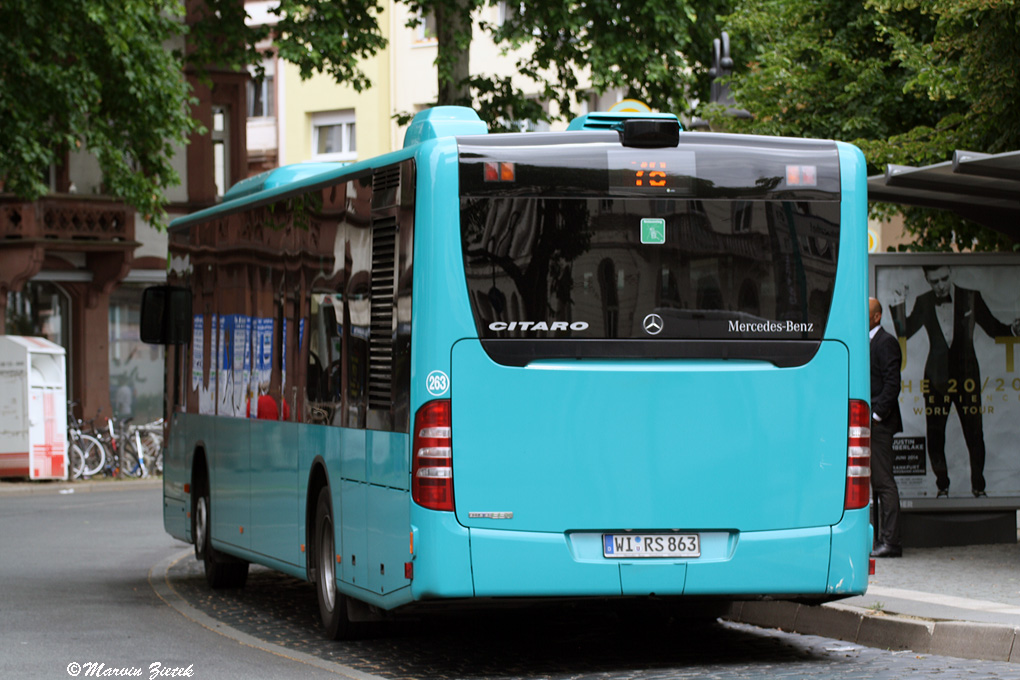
957	317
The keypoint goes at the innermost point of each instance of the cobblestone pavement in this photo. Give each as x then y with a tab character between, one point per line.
560	643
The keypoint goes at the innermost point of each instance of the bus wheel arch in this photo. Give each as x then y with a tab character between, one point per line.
317	481
221	570
333	605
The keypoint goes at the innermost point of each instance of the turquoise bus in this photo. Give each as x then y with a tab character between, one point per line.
615	361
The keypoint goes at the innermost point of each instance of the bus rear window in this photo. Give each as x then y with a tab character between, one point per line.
702	278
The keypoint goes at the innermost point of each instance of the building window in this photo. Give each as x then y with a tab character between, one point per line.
508	11
425	31
136	369
42	309
221	148
333	136
261	100
260	97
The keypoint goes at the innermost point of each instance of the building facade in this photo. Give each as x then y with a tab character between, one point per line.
73	264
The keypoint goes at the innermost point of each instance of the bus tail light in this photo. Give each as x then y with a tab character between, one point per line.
858	457
432	456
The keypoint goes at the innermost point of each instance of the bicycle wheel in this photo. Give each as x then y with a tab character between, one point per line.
93	455
157	464
75	460
129	465
151	444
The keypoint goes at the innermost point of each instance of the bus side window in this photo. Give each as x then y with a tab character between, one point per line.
316	371
325	358
359	301
332	321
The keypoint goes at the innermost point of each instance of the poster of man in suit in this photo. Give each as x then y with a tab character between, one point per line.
960	394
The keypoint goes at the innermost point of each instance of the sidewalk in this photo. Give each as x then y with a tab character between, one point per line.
955	601
20	487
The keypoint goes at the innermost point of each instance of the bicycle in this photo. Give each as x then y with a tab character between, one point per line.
149	439
104	435
135	447
86	454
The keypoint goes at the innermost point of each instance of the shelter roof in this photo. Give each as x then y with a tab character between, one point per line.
981	187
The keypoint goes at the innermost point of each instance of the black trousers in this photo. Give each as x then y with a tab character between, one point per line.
885	506
971	422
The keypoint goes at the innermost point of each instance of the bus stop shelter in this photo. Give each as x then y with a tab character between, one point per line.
984	188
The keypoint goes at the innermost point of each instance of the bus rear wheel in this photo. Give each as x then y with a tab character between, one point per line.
221	571
332	603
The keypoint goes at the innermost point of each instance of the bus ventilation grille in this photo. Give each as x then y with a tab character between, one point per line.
385	187
380	341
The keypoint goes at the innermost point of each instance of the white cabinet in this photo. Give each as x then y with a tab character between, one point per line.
33	408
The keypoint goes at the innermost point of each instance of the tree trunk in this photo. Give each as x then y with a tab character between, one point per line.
453	31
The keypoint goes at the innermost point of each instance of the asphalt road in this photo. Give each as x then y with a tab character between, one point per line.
74	589
92	578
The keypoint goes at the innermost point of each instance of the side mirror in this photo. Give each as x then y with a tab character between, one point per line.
166	315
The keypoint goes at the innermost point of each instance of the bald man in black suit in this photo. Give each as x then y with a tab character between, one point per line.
885	422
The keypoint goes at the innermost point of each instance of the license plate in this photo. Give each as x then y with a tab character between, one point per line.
651	545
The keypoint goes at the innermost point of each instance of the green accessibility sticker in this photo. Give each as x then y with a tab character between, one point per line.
653	230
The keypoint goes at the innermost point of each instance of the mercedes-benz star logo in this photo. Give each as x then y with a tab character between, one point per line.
652	324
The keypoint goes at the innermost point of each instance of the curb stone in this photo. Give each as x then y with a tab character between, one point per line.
895	633
884	630
974	640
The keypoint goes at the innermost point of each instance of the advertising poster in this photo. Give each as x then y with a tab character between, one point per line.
264	352
225	383
957	319
262	337
197	350
199	361
283	352
235	364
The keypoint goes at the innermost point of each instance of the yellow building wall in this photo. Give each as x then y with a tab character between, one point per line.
301	99
403	79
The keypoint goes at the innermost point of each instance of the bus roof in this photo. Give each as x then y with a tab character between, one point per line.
433	123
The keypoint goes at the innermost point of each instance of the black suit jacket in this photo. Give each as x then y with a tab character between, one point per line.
885	379
957	361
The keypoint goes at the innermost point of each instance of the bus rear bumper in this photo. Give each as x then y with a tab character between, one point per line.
823	562
817	561
851	549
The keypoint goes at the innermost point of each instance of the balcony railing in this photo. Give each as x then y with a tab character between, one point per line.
71	218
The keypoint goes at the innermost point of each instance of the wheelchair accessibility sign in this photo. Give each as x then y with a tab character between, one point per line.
653	231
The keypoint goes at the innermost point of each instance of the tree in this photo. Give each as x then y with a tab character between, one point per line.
96	74
319	36
907	81
92	74
645	47
649	48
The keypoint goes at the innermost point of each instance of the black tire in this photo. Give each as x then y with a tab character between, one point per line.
221	571
332	603
200	518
